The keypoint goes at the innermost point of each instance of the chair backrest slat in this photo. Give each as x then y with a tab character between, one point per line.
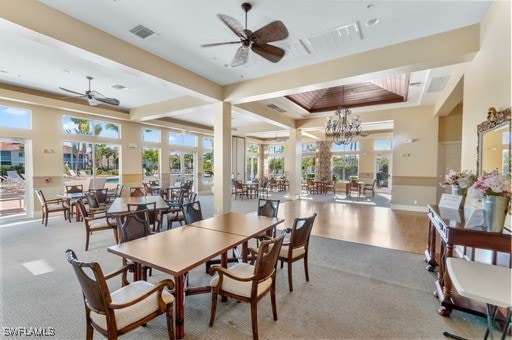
301	231
266	261
267	207
133	225
94	288
192	212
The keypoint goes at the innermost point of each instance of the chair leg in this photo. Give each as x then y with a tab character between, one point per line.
42	217
254	319
46	219
273	301
87	234
89	331
169	313
306	268
213	308
290	279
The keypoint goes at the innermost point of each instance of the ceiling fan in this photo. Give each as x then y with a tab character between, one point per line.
257	40
93	97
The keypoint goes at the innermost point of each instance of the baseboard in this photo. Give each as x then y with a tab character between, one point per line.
409	207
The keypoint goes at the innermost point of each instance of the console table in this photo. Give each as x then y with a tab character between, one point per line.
451	233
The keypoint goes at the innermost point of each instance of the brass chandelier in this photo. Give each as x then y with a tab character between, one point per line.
341	128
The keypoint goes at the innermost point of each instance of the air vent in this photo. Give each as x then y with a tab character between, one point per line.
118	87
437	84
298	48
277	108
142	31
336	37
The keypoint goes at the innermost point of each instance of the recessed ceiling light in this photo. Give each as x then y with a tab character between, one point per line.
67	71
372	22
4	71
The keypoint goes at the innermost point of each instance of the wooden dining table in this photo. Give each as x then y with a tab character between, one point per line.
120	204
68	196
179	250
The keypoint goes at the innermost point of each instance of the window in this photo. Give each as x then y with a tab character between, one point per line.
252	162
182	138
150	135
80	126
13	117
181	166
382	144
308	167
83	159
150	158
208	160
344	166
352	146
275	160
309	147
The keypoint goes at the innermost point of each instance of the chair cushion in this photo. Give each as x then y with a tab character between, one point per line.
129	315
99	223
295	253
55	207
241	288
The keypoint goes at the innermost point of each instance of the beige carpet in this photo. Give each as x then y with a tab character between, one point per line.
355	291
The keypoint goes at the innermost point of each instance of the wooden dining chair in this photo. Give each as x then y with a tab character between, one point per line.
370	187
73	189
268	208
51	206
249	283
137	192
97	222
131	226
153	215
192	212
93	204
296	247
125	309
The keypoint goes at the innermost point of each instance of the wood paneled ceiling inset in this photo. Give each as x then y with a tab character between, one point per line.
388	90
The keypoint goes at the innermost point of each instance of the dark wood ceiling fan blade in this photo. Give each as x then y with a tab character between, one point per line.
109	101
269	52
240	56
221	43
233	24
95	95
274	31
71	91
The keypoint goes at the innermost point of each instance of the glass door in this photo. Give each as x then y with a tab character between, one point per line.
13	184
383	172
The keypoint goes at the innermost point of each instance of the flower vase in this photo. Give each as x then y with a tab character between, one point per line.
495	211
458	191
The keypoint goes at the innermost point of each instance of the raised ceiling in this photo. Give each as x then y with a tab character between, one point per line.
374	92
49	44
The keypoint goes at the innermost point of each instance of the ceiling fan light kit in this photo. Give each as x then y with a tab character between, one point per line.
256	41
92	97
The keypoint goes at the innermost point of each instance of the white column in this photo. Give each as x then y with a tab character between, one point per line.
222	158
293	156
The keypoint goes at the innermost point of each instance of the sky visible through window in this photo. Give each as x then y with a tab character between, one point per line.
13	117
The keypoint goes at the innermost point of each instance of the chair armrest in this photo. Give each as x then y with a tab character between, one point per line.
118	271
55	200
158	287
223	271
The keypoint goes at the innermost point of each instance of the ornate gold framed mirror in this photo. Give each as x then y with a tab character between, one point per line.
494	139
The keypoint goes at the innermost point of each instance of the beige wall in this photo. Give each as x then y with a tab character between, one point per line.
450	126
47	133
487	80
